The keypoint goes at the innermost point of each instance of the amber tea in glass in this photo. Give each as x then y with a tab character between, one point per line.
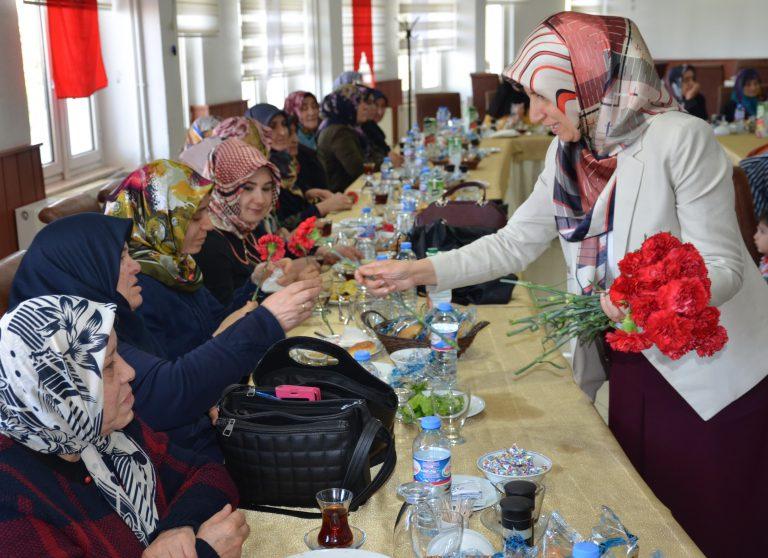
334	505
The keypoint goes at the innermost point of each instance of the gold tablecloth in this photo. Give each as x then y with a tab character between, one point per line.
544	411
496	168
737	146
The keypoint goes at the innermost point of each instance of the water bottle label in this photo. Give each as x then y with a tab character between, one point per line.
434	472
439	342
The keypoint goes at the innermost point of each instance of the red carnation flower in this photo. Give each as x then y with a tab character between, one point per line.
657	246
622	290
631	263
671	333
685	296
642	306
270	247
651	276
685	261
711	343
620	340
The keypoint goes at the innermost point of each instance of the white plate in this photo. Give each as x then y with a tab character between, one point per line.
339	553
470	541
476	406
490	494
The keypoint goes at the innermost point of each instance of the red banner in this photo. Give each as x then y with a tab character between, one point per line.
76	63
362	37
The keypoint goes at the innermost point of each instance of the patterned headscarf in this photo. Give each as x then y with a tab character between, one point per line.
347	78
675	81
200	129
232	163
248	130
599	73
293	102
288	166
52	399
161	198
340	107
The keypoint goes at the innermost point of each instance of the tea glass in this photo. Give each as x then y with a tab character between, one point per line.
334	505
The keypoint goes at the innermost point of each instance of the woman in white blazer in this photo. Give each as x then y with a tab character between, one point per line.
626	164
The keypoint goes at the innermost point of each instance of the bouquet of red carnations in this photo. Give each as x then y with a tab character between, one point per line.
304	237
665	291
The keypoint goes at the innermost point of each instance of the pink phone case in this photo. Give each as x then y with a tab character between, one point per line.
298	392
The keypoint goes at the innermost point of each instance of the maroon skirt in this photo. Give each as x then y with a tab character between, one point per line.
712	475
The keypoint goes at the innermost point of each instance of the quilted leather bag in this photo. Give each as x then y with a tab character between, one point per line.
282	452
481	213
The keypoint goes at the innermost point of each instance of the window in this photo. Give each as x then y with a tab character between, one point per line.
378	21
276	52
67	128
495	38
597	7
434	34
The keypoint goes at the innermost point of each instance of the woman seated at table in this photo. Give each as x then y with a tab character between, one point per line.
508	98
246	187
82	476
681	81
623	168
293	207
304	106
747	92
87	255
342	145
376	137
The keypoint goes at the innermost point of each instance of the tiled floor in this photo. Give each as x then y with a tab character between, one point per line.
549	269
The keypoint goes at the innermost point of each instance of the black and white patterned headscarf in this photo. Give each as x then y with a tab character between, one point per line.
52	352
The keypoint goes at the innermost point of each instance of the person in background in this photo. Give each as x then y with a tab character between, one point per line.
200	129
747	92
304	106
311	173
622	168
682	83
341	144
86	255
506	97
347	78
376	137
81	475
293	206
761	243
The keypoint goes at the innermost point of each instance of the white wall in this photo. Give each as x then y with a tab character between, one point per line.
14	121
528	14
699	28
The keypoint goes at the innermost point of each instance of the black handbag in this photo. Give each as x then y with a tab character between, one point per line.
282	452
445	237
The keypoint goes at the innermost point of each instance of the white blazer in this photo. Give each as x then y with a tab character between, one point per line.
675	178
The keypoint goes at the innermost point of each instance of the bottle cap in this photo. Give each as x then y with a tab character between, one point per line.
430	423
432	251
381	257
585	549
444	306
405	245
516	508
523	488
366	210
362	356
406	186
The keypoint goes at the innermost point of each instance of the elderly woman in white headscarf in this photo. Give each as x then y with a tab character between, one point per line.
80	475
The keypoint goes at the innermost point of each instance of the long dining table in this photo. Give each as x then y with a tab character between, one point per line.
542	410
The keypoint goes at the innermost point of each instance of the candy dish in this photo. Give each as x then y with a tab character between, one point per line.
514	464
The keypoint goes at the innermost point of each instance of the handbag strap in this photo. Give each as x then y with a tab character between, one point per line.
471	184
359	460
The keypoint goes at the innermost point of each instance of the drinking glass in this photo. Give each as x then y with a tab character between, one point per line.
451	404
334	505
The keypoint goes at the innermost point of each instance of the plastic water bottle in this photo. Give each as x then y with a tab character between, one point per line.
410	296
386	167
367	224
432	455
444	326
435	296
739	114
363	358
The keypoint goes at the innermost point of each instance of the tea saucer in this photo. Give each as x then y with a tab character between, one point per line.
358	538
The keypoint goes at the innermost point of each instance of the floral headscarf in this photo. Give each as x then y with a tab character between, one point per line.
248	130
599	73
347	78
231	164
200	129
340	107
161	198
293	102
52	353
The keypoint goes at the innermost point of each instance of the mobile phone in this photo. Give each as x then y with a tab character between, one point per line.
298	392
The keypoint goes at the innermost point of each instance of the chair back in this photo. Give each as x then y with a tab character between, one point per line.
482	83
723	94
80	203
428	103
745	211
489	96
8	267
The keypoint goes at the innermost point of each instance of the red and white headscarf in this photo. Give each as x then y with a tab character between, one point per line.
599	73
232	163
